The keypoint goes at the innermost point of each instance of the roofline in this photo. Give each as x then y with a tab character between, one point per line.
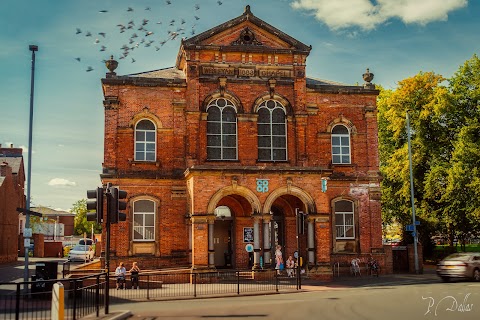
246	16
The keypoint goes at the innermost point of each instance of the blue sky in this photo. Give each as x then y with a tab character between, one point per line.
395	39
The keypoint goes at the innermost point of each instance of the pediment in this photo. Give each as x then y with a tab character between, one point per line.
246	32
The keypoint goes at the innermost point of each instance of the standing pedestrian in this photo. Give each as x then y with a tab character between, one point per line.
278	259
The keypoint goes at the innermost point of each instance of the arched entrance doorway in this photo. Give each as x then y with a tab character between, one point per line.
233	221
287	227
223	237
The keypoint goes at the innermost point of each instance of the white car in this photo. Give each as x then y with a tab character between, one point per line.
81	253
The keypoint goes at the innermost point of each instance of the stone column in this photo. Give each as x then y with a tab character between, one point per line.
189	226
256	242
211	246
310	241
267	246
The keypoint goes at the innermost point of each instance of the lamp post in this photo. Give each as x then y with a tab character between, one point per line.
415	236
32	48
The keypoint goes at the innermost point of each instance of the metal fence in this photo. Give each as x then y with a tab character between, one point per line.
88	295
33	299
178	285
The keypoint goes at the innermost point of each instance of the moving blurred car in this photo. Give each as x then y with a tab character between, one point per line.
81	253
464	265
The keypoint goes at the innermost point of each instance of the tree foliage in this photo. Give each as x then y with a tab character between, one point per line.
445	137
81	225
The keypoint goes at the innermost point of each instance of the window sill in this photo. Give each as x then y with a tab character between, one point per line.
135	162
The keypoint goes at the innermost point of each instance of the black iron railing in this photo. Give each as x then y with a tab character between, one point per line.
88	295
33	299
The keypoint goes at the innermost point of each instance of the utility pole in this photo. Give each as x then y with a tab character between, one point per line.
415	236
32	48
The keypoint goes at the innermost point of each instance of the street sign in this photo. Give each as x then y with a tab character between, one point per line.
27	232
409	227
26	242
249	247
417	223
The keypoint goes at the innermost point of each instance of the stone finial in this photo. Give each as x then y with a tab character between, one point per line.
368	77
247	10
111	65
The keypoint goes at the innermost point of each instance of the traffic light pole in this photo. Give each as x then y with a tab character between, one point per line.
107	248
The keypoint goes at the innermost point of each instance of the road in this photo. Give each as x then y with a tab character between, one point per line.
404	300
14	272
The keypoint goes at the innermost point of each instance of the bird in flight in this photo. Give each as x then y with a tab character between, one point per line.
130	9
78	59
102	34
78	31
89	69
88	34
219	3
168	2
148	9
103	11
103	48
197	7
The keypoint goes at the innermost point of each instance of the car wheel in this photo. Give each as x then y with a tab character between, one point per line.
445	279
476	275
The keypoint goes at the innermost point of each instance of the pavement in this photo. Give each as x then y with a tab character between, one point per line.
308	285
14	272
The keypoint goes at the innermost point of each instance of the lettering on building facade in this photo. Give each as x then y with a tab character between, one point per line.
247	72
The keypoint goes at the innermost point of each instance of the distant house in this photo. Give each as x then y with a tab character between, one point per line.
12	182
54	224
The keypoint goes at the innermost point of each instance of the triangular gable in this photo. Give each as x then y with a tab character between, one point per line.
249	32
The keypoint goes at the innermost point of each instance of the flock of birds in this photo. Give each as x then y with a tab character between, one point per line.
141	33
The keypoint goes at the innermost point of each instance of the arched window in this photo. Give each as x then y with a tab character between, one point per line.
144	220
344	220
221	130
272	131
340	145
145	141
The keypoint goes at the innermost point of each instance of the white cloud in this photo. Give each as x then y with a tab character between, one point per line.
368	14
61	182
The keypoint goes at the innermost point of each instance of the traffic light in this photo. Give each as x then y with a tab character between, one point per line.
117	205
95	203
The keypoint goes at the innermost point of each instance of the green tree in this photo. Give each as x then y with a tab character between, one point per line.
418	95
81	225
445	140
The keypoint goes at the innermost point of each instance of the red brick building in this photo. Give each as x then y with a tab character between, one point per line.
221	153
12	182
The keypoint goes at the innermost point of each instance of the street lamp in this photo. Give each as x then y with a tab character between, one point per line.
32	48
415	236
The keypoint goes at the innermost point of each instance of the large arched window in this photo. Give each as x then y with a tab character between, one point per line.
344	219
145	141
144	220
340	145
221	130
272	131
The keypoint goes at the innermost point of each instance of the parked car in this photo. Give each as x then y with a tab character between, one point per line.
460	266
81	253
87	241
